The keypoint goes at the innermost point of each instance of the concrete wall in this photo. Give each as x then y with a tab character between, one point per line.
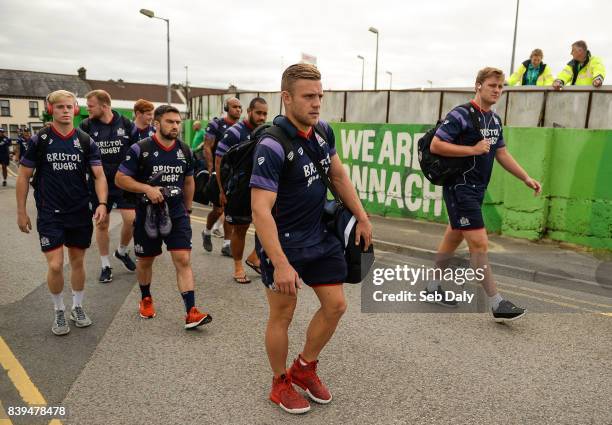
414	107
366	107
332	108
518	106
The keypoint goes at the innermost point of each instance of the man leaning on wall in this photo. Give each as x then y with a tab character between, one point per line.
582	70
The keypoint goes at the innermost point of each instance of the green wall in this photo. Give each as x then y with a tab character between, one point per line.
574	167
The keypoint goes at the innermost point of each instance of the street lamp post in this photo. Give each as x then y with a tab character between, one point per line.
514	41
151	14
375	31
390	79
362	68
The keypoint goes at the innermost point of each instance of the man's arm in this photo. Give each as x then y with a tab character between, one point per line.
507	161
442	148
286	278
130	184
208	153
101	187
347	193
188	191
21	191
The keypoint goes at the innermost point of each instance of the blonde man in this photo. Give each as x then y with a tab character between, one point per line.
62	156
113	134
532	72
287	199
457	137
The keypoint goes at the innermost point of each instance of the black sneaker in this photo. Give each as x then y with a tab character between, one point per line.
507	312
163	220
207	242
445	301
226	251
126	260
150	223
106	275
4	183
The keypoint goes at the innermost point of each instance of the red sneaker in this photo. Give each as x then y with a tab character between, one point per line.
146	309
307	379
195	318
287	397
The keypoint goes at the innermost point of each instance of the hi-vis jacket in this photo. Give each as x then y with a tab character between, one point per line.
593	68
545	77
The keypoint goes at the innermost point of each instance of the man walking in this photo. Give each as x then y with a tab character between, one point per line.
62	156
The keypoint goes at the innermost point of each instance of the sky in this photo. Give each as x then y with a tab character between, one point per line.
248	43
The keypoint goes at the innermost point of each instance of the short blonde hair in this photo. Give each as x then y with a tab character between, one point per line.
102	96
299	71
537	52
488	72
56	95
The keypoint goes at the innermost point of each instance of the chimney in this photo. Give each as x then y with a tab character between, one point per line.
82	73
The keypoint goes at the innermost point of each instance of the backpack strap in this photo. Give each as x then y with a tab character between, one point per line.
473	116
281	137
187	153
145	145
85	125
41	145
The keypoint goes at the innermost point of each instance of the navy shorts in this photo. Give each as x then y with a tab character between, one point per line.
179	238
115	200
4	159
322	264
73	230
464	206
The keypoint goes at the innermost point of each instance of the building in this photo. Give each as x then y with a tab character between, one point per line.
23	93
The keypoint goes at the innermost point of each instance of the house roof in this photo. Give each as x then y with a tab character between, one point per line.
34	84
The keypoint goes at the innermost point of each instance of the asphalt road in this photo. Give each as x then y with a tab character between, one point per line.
420	367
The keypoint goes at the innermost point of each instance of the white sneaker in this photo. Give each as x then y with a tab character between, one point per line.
60	326
78	316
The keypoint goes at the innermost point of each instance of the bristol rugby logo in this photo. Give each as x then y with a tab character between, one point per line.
261	160
320	139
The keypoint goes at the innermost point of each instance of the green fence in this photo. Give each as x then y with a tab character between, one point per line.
574	167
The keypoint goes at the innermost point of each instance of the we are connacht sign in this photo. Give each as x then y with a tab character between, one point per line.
382	162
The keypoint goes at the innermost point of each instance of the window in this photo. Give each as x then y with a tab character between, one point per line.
5	108
33	108
13	131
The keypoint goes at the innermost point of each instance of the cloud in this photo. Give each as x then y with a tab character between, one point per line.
248	43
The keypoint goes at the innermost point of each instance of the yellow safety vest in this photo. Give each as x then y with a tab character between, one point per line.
592	69
544	79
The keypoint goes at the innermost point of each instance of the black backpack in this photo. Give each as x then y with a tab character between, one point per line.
146	146
237	165
41	150
85	125
442	170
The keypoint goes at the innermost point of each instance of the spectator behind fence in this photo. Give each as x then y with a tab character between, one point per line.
198	135
532	72
582	70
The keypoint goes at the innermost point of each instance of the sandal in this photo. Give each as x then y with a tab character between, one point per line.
253	266
243	280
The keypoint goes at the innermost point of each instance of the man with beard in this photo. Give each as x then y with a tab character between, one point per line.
114	134
165	156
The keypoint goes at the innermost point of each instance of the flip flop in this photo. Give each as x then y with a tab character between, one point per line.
243	280
253	266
